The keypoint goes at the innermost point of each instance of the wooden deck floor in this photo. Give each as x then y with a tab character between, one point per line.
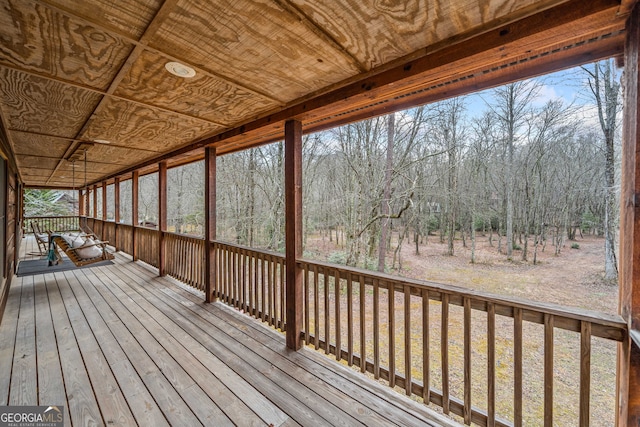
117	345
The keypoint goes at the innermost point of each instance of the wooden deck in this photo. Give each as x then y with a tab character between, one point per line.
117	345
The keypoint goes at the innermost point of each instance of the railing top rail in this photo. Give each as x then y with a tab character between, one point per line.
51	217
250	249
573	313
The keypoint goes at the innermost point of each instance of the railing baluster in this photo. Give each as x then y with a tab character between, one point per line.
336	285
444	349
307	310
517	367
263	303
548	370
363	329
250	302
467	360
281	289
349	320
271	288
391	312
491	364
376	329
426	369
585	372
316	307
407	340
327	306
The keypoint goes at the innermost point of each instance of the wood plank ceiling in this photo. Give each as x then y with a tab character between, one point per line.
77	73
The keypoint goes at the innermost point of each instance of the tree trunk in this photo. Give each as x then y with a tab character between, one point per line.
386	199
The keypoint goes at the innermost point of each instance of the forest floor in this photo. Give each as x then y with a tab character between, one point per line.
573	278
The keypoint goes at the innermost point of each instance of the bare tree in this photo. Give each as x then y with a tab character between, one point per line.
386	199
605	88
511	106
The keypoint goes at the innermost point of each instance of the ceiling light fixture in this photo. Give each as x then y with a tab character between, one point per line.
102	141
180	70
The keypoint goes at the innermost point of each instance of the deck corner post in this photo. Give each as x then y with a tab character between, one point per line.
162	216
293	230
628	374
210	263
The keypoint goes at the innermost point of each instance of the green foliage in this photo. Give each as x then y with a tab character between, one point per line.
589	221
517	247
433	223
575	246
337	257
46	203
481	223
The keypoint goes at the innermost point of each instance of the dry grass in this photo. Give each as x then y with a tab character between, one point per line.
573	279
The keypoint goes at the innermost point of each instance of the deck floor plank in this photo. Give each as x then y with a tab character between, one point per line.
184	348
83	406
177	361
399	410
24	381
328	399
117	345
49	365
113	405
8	330
144	408
173	406
258	375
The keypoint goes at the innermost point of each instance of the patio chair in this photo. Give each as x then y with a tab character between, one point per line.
41	238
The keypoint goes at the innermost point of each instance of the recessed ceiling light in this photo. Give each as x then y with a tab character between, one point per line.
102	141
180	70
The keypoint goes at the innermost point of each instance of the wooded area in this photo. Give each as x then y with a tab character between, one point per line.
528	174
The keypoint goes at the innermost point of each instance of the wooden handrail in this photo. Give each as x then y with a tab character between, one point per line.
607	326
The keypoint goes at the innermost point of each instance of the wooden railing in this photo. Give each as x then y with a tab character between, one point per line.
441	343
400	331
124	234
185	259
252	281
53	223
147	245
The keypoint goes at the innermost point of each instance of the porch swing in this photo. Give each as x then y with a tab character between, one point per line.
82	248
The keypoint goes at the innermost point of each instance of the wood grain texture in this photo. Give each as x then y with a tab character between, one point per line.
130	124
38	145
39	105
39	39
256	42
202	96
126	17
377	32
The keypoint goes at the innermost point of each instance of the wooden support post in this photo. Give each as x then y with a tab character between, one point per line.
134	212
162	215
293	230
209	223
95	201
104	200
104	211
80	203
116	211
628	378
